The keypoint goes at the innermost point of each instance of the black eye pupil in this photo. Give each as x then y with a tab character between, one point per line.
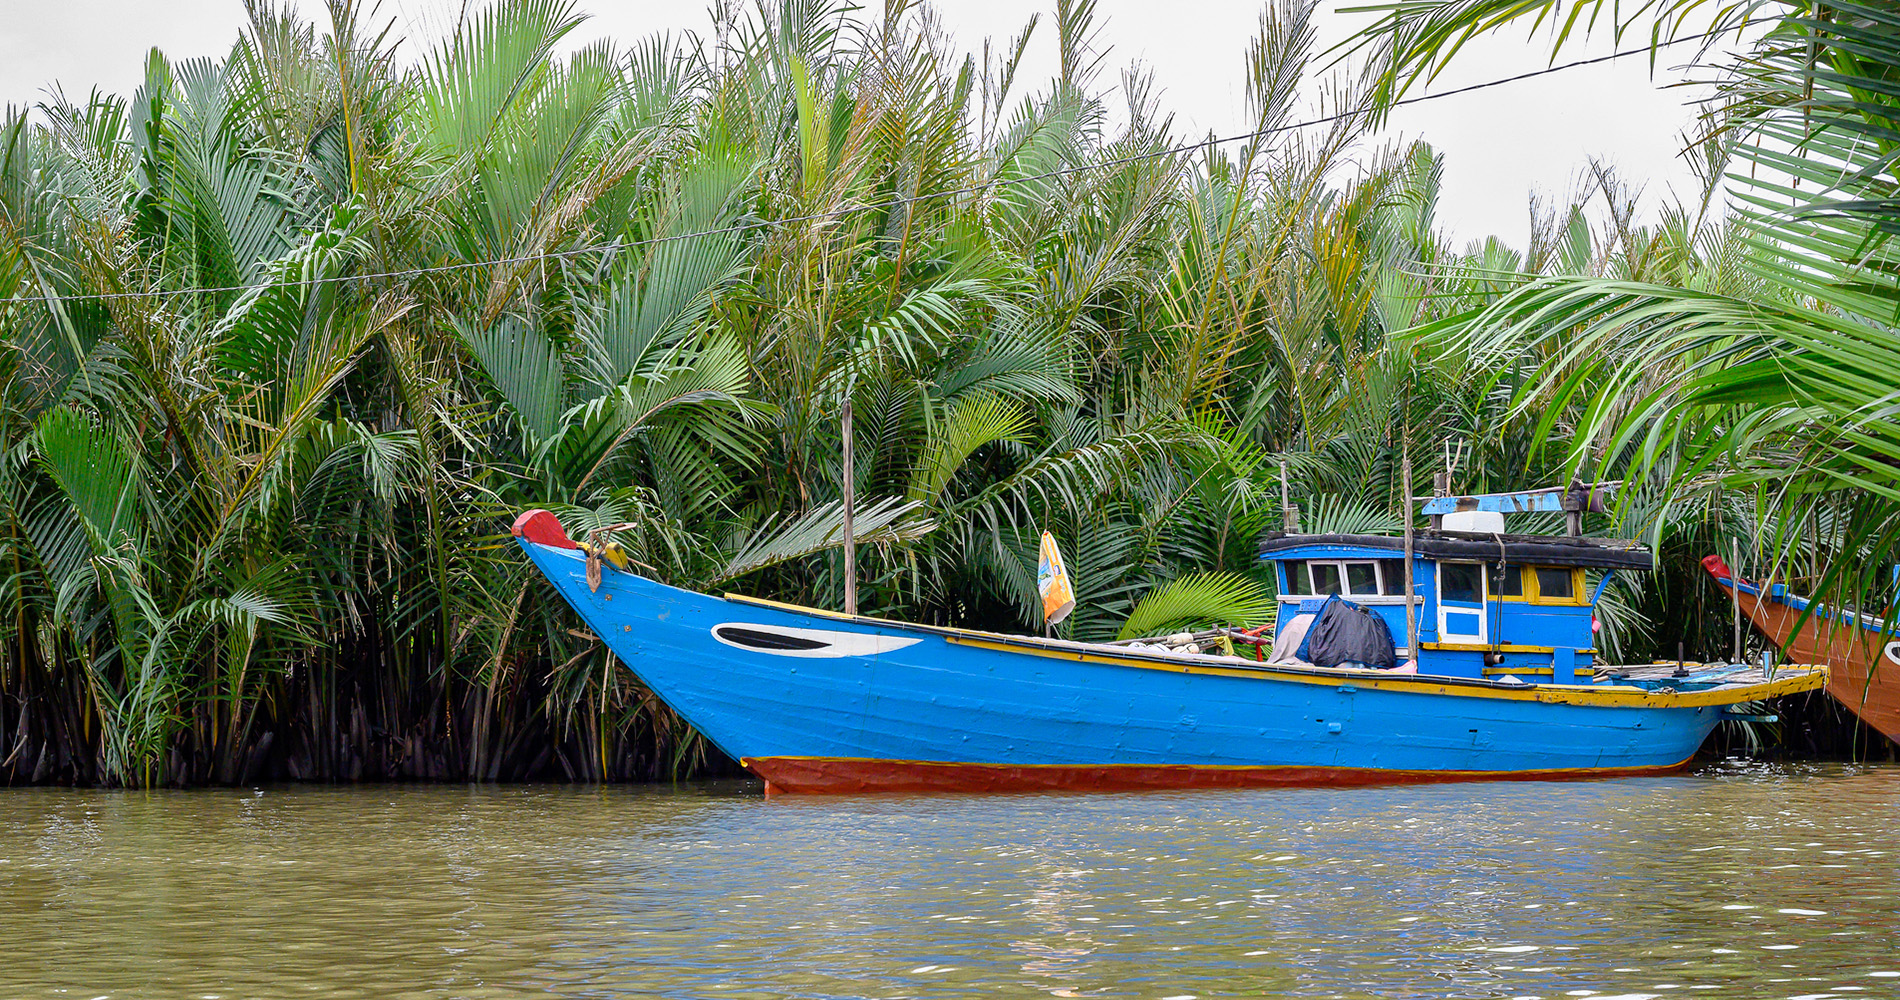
766	640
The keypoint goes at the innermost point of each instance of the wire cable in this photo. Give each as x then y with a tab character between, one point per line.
838	213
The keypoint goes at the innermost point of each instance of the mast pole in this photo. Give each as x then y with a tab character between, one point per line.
1289	514
850	535
1735	591
1405	486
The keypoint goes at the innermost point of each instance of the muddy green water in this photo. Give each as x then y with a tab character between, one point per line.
1732	881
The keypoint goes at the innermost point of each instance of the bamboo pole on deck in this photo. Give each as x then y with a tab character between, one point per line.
1735	591
1405	486
850	535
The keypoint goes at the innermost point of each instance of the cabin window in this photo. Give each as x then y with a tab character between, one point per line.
1362	578
1325	578
1535	584
1297	581
1461	582
1558	585
1392	577
1346	577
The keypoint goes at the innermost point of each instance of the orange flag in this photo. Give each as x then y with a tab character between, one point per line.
1052	578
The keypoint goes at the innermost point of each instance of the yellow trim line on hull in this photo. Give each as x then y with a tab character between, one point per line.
1626	697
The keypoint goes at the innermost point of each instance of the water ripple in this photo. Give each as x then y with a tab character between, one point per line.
1737	880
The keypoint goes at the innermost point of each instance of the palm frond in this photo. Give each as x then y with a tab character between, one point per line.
525	367
880	521
973	421
1331	514
1201	599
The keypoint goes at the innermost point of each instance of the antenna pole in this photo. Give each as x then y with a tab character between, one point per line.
1441	486
850	535
1289	514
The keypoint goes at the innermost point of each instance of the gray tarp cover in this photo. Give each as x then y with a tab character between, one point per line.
1288	639
1348	633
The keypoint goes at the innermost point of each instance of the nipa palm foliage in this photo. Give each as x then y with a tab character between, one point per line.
293	334
1767	370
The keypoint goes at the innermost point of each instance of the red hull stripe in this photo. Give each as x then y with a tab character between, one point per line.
847	775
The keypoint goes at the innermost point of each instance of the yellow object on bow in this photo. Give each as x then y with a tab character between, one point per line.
613	552
1052	579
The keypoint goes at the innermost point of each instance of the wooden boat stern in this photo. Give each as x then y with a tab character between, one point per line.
1861	653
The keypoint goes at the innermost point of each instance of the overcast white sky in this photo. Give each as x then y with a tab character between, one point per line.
1499	144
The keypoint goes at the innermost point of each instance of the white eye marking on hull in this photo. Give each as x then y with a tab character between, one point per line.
783	640
1893	652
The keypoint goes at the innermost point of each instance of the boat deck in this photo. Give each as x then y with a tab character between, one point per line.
1668	670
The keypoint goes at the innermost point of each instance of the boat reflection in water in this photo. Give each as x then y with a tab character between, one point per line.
1503	683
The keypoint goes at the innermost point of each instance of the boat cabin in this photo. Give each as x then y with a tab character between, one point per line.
1488	603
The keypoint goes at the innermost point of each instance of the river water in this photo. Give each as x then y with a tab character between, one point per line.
1736	880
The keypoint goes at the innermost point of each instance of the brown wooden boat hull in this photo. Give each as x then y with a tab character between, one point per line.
1863	664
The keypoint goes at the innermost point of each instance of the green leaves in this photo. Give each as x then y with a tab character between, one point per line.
1200	599
1330	514
877	521
97	475
526	368
498	58
665	291
1415	40
974	421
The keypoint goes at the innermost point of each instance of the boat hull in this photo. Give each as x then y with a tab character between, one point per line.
1863	658
818	702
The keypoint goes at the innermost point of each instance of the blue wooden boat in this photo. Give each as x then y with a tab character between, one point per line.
817	701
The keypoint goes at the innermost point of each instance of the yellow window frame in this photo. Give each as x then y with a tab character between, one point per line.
1535	593
1527	584
1532	594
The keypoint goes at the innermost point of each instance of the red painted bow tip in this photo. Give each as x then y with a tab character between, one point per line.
542	528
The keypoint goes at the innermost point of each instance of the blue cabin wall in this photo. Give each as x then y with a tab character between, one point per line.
1561	638
1544	624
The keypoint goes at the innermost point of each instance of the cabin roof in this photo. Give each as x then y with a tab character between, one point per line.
1543	550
